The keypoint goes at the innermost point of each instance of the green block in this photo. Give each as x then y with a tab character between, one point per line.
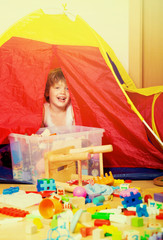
137	222
117	235
101	215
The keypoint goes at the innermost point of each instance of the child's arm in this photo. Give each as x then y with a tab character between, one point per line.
73	122
43	115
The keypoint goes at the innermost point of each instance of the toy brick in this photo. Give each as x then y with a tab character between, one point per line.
97	234
142	211
100	215
10	190
118	218
13	212
132	200
101	222
137	222
31	228
131	234
117	235
158	197
87	231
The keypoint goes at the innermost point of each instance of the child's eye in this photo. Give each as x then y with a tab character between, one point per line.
56	87
67	89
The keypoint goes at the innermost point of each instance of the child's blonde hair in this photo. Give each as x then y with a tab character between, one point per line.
54	76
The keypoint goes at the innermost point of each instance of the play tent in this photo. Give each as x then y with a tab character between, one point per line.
98	84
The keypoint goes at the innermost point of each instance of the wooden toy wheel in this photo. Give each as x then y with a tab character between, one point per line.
158	181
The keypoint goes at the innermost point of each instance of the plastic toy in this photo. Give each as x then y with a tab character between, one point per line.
80	192
132	200
137	222
101	215
142	211
48	207
75	220
147	197
46	185
87	231
158	197
98	208
14	212
101	222
98	234
108	180
118	218
11	190
99	199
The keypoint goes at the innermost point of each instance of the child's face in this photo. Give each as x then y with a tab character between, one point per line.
59	95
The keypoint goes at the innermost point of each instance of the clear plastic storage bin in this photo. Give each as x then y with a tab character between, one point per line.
26	151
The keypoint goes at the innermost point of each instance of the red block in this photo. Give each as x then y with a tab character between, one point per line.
101	222
86	231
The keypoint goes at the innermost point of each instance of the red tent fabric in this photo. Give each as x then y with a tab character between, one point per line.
96	98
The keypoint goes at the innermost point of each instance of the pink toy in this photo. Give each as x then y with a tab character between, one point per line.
79	192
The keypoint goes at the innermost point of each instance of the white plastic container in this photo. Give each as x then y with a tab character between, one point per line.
26	151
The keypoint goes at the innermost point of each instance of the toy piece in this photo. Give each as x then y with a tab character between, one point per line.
14	212
78	202
109	229
98	234
118	218
158	197
87	231
147	197
142	211
117	235
46	185
137	222
31	228
48	207
10	190
75	220
99	199
85	217
132	200
154	204
129	213
98	208
38	223
100	215
80	192
160	216
124	186
132	234
101	222
108	180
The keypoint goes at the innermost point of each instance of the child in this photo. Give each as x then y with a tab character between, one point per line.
58	109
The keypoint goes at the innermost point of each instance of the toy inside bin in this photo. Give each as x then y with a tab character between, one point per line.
26	151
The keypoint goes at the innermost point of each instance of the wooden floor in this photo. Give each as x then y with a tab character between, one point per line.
16	231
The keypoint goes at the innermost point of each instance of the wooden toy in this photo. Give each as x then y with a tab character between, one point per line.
61	157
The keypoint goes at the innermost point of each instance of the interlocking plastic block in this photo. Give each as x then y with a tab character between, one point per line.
117	235
142	211
158	197
10	190
160	216
101	222
86	231
46	185
137	222
132	200
13	212
101	215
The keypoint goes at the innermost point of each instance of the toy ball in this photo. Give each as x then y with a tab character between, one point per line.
79	192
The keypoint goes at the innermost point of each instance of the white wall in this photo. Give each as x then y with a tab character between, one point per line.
109	18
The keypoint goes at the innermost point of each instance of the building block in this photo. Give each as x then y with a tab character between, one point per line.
87	231
14	212
155	204
11	190
38	223
31	229
92	210
118	218
97	234
129	213
100	215
46	185
85	217
117	235
137	222
109	229
142	211
132	200
158	197
132	235
101	222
